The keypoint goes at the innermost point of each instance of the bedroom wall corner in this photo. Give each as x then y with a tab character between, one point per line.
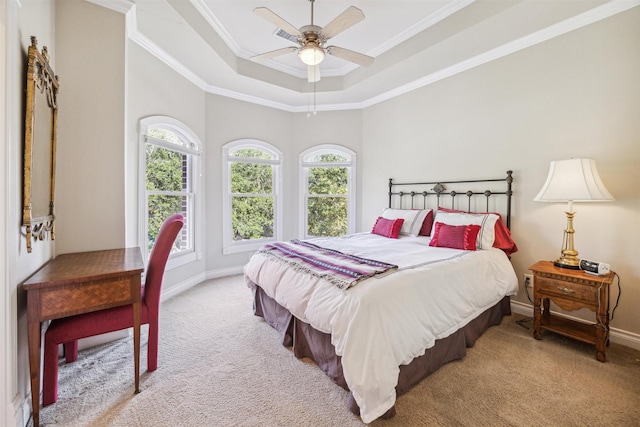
163	92
228	120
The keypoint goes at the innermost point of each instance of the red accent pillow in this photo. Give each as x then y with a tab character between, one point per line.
387	227
455	236
503	238
427	225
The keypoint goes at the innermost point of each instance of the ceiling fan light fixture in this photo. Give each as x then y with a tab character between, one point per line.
311	40
311	54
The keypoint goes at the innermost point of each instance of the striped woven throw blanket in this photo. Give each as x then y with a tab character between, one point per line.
343	270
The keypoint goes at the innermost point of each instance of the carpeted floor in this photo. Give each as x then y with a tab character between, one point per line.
221	366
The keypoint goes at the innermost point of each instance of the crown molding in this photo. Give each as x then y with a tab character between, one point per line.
432	19
120	6
201	6
143	41
594	15
442	13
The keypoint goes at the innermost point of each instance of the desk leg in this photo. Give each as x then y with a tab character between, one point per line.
33	331
537	318
602	324
136	344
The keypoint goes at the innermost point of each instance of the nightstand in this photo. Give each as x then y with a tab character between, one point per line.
571	290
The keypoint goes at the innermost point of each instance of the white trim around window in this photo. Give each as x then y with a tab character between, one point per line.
229	245
306	163
189	145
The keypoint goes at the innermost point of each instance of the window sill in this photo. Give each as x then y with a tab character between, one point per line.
179	260
236	248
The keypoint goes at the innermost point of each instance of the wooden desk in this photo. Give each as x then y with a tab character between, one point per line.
79	283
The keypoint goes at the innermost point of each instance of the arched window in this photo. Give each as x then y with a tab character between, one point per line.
327	191
252	212
169	177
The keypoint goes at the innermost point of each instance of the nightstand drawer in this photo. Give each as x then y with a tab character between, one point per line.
562	288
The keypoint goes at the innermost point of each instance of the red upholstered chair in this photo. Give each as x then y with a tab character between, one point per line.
69	330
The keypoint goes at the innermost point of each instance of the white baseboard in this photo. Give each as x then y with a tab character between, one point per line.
617	336
22	409
197	279
223	272
192	281
182	287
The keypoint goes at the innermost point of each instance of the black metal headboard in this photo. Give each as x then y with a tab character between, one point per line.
443	189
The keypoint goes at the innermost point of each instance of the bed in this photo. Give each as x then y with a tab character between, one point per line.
379	311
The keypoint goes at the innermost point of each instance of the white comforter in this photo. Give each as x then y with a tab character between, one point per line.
384	322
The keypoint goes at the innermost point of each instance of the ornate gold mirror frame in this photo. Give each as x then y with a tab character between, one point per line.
39	146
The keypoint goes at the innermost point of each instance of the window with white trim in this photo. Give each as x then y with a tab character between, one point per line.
252	211
169	174
327	191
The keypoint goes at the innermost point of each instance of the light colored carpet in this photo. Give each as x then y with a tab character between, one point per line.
219	365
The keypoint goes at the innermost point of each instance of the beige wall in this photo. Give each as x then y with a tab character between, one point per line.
91	57
577	95
30	18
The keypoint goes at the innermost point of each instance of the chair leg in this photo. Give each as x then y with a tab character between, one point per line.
50	373
71	351
152	347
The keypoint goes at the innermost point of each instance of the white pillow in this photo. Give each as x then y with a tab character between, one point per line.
413	219
486	221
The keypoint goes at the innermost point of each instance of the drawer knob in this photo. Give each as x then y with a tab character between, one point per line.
566	291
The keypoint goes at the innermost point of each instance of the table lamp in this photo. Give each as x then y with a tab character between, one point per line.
573	180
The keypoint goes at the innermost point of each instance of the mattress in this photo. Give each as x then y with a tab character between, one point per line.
388	320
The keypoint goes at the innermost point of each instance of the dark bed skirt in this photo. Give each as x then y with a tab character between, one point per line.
308	342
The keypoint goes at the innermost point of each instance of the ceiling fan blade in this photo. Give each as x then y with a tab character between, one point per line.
277	20
349	55
313	73
273	53
282	33
351	16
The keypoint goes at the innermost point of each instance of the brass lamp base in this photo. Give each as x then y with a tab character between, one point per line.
569	256
563	263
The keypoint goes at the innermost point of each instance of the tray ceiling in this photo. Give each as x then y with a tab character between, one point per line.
414	43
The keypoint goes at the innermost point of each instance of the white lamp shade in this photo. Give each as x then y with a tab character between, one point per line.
573	180
311	54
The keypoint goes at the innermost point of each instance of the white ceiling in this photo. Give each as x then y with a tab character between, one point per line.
414	43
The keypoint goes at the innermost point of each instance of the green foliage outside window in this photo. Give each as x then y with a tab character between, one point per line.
252	204
327	201
252	217
164	169
160	208
327	216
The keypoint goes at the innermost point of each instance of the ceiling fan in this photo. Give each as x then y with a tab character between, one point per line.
311	40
